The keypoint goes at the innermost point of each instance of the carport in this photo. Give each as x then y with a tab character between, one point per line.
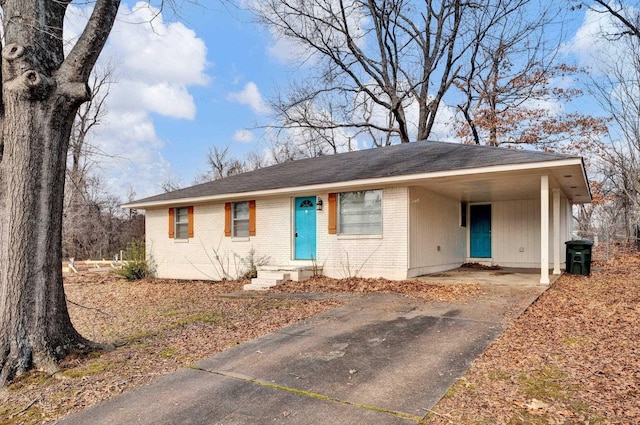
530	210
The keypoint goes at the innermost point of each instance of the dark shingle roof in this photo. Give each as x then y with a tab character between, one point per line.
396	160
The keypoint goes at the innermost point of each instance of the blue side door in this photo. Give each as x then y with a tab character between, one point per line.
480	231
305	231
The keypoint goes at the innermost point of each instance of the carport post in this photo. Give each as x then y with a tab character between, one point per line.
556	231
544	229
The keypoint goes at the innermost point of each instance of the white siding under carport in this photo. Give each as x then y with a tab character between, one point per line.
516	232
434	221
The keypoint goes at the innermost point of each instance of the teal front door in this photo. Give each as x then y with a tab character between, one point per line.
480	231
305	228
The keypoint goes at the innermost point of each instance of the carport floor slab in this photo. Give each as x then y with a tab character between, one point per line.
383	359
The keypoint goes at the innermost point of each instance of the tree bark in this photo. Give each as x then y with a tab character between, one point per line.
41	92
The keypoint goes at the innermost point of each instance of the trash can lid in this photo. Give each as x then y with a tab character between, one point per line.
579	242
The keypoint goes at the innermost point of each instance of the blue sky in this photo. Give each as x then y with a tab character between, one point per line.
187	83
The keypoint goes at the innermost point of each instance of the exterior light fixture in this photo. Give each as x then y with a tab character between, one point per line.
319	204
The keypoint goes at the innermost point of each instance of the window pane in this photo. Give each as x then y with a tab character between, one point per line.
241	228
182	223
182	215
182	230
241	219
360	213
241	210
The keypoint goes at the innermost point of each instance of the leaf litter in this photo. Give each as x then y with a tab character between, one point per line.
157	326
572	357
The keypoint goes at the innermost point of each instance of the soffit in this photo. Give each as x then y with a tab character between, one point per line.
511	185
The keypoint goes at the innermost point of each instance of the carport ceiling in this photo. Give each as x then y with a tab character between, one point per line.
511	185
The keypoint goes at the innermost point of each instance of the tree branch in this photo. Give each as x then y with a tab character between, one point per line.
633	29
78	65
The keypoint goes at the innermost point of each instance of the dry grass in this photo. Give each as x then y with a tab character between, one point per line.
158	326
572	358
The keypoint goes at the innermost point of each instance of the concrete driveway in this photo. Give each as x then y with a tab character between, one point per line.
380	359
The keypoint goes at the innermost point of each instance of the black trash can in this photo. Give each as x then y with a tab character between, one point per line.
579	257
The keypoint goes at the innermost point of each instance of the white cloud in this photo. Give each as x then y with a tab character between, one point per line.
157	50
243	136
164	98
250	96
156	63
591	44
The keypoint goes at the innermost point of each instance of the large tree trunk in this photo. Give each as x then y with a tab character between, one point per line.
34	313
41	92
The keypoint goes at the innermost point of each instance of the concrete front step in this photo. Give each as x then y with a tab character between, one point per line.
252	287
296	273
261	283
273	274
270	276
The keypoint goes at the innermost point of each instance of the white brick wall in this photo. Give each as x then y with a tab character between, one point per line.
429	220
368	256
415	223
196	258
339	255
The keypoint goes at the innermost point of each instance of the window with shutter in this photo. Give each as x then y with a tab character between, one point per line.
240	219
181	223
360	213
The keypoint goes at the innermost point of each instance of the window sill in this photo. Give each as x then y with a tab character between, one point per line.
240	239
347	237
181	240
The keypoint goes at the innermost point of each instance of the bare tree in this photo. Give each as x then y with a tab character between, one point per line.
375	61
615	85
626	15
616	89
221	164
508	62
41	93
513	80
79	215
170	183
284	150
254	161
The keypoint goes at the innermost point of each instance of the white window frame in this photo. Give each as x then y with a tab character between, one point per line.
370	228
181	223
237	220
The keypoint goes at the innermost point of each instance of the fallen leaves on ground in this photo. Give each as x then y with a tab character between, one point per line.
415	288
572	357
158	326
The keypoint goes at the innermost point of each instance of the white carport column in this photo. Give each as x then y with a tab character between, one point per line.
556	231
544	229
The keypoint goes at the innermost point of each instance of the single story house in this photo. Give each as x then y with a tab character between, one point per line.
395	212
